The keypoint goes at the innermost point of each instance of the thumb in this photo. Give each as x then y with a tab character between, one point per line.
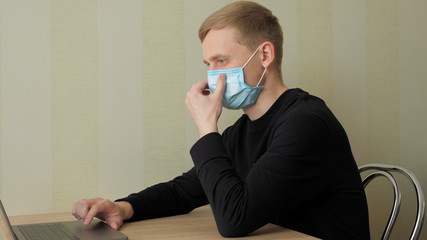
114	225
220	84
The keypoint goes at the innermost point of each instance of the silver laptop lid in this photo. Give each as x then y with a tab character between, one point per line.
6	232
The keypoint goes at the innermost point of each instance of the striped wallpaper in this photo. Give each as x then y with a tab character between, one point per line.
92	91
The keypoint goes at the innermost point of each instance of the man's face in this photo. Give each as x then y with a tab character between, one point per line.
222	51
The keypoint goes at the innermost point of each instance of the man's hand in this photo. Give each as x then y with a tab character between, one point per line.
113	213
205	108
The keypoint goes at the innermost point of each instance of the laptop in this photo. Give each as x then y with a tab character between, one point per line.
97	230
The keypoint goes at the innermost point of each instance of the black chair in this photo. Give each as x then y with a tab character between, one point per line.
386	171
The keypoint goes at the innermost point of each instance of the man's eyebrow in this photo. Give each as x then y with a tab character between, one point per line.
215	57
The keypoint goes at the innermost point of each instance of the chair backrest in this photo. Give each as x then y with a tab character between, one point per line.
386	171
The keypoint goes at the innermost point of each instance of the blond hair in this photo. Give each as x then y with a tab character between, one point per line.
253	23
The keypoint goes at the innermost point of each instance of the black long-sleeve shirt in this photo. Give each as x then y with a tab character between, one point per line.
292	167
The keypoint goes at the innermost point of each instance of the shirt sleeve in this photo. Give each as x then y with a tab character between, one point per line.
178	196
286	175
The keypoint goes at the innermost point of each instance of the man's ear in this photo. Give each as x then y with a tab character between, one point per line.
268	53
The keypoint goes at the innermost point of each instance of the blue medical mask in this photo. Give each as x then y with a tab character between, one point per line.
237	95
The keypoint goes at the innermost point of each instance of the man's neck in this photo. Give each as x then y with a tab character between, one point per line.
273	88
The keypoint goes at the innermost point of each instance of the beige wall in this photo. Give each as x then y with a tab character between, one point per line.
92	92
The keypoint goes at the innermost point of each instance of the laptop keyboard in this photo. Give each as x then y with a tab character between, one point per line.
48	231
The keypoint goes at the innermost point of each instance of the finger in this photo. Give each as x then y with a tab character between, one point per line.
220	84
114	225
91	215
95	209
200	87
206	90
80	209
74	211
196	90
78	214
203	84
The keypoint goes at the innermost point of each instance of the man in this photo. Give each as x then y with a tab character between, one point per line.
286	161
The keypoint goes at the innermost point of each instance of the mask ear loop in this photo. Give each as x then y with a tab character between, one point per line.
251	56
265	70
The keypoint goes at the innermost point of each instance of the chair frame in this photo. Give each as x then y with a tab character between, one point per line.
384	170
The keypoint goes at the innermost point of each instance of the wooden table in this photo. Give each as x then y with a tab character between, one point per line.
199	224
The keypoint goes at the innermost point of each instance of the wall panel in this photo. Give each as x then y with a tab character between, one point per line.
315	48
349	73
413	98
26	168
120	97
164	89
74	101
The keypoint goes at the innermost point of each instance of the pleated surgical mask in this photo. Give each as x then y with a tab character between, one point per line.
237	94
